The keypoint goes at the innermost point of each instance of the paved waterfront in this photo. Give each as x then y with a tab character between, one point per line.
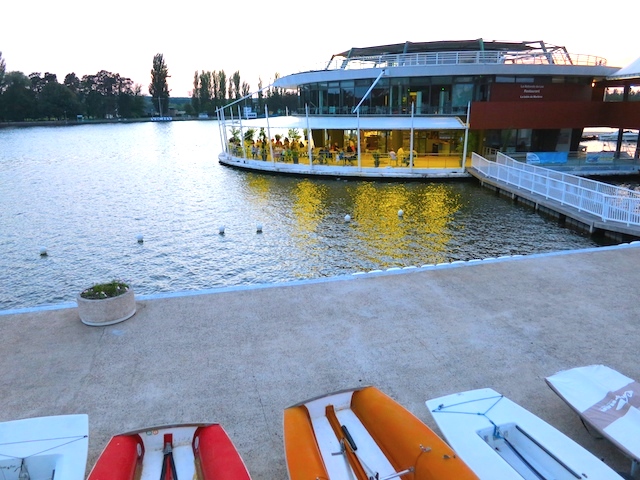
239	357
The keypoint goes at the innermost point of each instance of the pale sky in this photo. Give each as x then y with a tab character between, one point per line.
259	39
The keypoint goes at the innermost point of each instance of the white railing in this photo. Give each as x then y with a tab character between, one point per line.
465	57
608	202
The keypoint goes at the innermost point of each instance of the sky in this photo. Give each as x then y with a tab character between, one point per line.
260	39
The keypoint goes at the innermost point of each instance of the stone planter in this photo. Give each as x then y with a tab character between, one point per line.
106	311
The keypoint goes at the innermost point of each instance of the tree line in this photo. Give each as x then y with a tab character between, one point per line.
40	96
106	94
213	89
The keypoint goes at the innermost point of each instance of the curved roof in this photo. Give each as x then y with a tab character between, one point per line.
445	46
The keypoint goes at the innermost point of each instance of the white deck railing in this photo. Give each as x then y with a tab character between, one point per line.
465	58
608	202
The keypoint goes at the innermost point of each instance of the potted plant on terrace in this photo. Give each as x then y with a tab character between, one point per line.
376	158
106	303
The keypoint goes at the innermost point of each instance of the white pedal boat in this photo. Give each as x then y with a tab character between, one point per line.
44	448
499	439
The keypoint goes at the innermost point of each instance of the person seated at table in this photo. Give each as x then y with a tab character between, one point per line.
324	154
401	155
393	157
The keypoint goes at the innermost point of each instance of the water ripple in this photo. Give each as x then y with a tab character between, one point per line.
86	193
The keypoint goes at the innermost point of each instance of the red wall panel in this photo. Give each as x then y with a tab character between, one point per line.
537	115
552	115
540	92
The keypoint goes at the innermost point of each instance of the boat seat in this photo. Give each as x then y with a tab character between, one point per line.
119	460
218	456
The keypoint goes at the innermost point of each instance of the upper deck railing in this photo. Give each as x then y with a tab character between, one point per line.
555	57
608	202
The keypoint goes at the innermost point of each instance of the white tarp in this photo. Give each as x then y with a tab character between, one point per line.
605	399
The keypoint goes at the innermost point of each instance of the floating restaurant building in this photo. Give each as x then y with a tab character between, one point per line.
420	109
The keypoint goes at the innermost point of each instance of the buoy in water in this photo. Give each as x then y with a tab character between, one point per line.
347	218
140	239
259	228
221	229
43	252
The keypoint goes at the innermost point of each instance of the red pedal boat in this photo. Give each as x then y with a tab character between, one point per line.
179	452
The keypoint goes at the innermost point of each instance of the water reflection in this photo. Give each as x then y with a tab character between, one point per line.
309	209
86	192
391	237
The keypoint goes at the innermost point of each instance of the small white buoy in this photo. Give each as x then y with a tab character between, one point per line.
347	218
221	229
43	252
140	238
259	228
400	213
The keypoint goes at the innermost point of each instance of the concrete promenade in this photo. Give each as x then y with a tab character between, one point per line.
240	356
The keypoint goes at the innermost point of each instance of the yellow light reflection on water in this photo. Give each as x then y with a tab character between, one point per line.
376	236
309	208
260	186
423	229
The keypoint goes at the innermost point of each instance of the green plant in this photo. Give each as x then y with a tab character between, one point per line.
248	135
235	135
376	158
105	290
293	134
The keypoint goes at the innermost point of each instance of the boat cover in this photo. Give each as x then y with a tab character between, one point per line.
605	399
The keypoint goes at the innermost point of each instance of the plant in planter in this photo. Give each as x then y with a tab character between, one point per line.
264	143
376	158
106	303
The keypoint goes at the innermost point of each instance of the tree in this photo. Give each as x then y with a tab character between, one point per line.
158	88
57	101
236	86
130	99
221	94
100	92
260	95
72	82
18	100
3	67
195	93
205	95
107	94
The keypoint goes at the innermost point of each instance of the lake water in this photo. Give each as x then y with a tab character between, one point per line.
85	193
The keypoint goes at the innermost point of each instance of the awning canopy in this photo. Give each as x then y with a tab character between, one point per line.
365	123
628	72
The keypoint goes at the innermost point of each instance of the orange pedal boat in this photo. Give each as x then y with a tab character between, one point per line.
363	434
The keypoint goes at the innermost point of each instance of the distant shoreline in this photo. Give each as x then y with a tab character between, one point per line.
62	123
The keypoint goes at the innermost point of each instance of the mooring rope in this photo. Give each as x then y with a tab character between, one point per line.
71	440
442	406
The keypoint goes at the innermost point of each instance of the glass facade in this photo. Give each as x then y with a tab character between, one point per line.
443	95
